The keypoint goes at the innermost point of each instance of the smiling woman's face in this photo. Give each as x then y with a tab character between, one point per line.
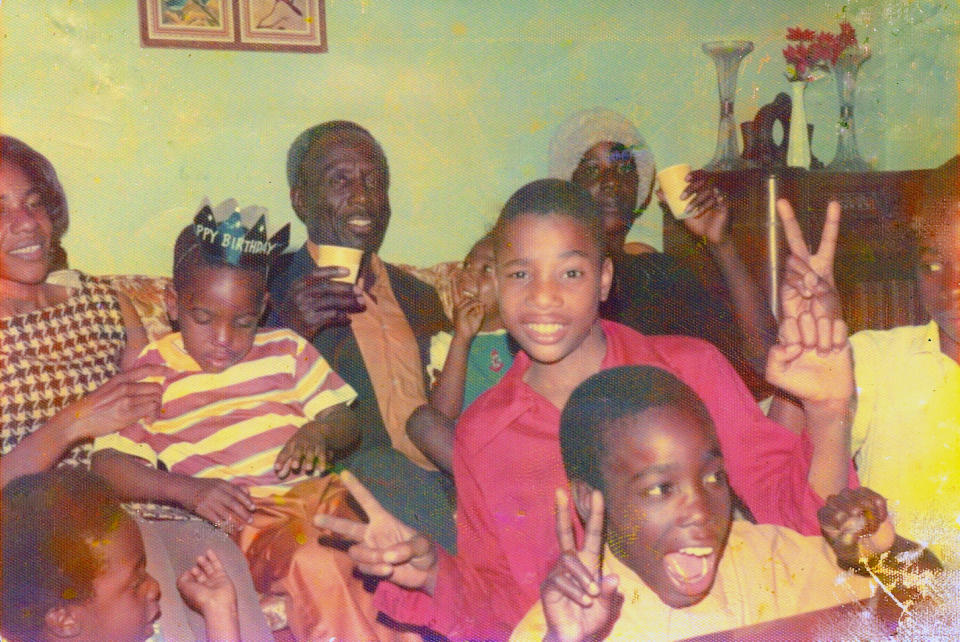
25	229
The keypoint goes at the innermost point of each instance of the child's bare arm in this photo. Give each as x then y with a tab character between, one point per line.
856	524
432	432
207	589
225	505
335	428
447	395
812	359
754	319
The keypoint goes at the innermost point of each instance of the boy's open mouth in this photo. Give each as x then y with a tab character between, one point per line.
691	569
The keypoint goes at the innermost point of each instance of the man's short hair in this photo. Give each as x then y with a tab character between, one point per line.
301	145
49	521
552	196
605	399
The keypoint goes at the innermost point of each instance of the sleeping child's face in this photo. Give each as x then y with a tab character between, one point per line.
667	501
218	313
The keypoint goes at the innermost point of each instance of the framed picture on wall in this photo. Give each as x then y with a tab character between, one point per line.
259	25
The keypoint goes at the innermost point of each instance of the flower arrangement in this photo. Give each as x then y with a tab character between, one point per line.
813	54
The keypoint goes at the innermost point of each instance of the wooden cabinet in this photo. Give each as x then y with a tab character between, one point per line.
876	248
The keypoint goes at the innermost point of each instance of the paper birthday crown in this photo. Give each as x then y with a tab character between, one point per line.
227	234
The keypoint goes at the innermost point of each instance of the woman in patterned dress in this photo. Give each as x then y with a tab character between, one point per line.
64	336
65	342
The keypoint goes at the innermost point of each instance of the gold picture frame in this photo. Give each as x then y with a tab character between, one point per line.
254	25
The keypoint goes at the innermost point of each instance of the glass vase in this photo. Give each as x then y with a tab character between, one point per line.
798	138
727	55
847	158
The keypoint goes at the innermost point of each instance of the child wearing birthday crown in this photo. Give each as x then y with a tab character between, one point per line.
246	416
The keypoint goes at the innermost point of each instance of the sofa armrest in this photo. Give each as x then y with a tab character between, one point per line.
147	295
440	276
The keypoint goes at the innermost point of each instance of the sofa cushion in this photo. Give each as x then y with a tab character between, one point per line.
147	295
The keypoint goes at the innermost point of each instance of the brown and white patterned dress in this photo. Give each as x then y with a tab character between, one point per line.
51	357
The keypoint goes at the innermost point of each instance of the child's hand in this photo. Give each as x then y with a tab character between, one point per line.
808	284
579	603
305	452
854	518
208	589
812	359
386	547
207	586
467	313
225	505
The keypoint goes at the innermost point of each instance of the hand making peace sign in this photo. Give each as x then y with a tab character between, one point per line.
808	284
812	358
577	601
386	547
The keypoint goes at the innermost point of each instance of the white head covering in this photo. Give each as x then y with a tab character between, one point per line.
584	129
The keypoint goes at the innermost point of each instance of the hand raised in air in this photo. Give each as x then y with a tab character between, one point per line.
709	206
808	285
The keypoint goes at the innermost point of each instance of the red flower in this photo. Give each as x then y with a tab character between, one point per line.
824	47
803	59
799	33
847	37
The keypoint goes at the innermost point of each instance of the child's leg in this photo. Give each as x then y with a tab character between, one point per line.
325	599
179	543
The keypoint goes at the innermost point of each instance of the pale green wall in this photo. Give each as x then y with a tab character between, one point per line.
462	94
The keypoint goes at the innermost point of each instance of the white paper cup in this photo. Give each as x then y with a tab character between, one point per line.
335	255
673	180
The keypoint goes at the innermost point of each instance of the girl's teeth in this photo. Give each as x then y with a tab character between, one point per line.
26	250
544	328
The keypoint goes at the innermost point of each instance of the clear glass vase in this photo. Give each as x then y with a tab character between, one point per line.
798	138
727	55
847	158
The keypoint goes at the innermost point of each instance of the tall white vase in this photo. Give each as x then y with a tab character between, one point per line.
798	139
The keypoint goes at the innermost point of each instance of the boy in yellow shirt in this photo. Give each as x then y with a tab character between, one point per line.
639	442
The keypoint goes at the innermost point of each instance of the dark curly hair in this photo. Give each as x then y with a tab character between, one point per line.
553	197
606	398
49	520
